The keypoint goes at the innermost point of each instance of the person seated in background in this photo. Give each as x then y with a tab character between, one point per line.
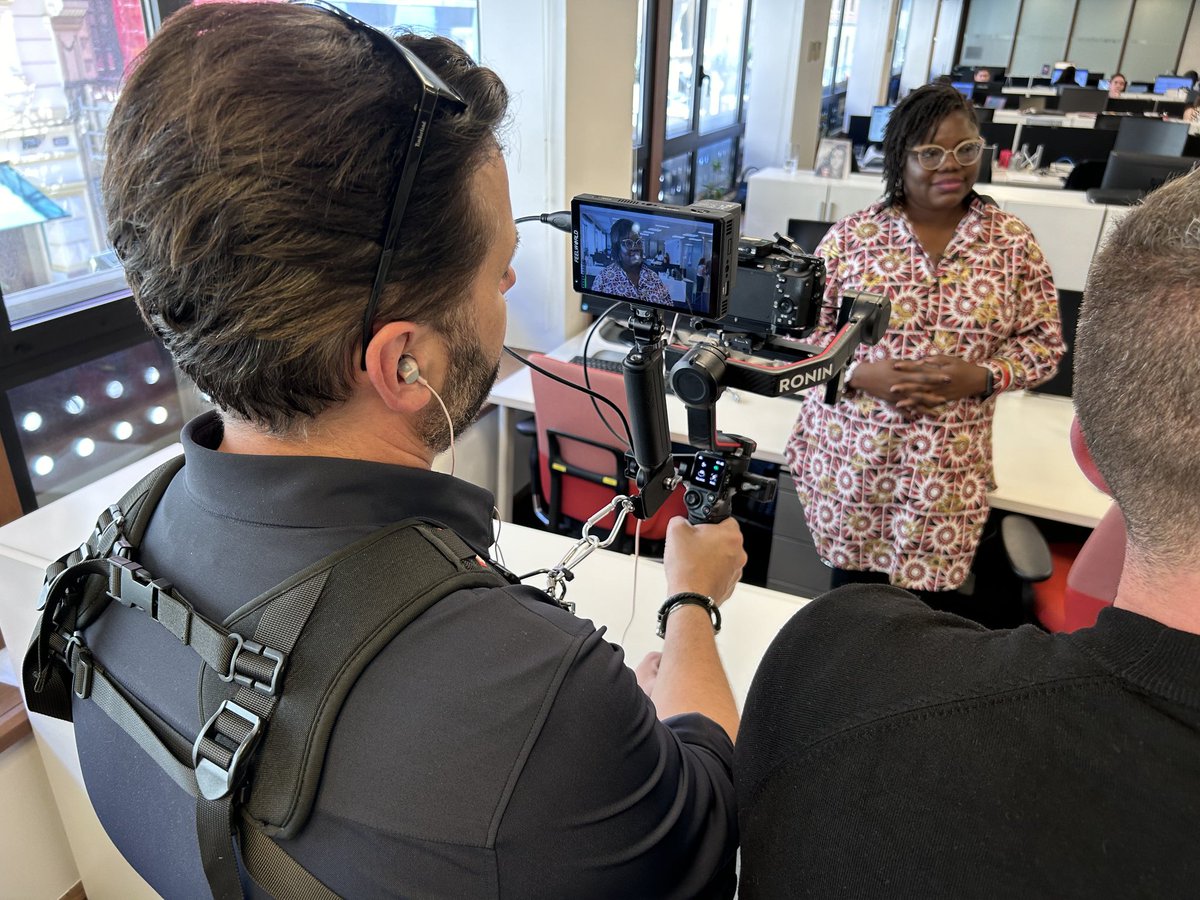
628	275
498	746
983	76
894	476
889	750
1117	85
1066	78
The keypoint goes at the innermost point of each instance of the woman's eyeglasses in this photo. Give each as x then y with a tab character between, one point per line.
434	93
632	244
931	156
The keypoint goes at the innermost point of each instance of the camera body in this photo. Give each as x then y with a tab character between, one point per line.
689	260
778	290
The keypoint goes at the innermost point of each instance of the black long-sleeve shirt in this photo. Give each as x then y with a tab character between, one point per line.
497	747
887	750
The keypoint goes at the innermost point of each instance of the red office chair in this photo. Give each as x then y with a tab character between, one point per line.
581	464
1066	585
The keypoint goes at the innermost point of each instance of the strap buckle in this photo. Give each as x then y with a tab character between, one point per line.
214	779
252	674
135	587
79	660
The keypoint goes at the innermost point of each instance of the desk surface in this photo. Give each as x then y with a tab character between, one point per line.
1035	471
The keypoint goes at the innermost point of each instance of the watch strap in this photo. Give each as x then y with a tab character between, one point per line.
688	598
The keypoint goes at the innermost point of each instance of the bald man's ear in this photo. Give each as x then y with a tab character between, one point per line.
1083	457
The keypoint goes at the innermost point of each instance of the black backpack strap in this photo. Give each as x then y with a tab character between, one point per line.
71	584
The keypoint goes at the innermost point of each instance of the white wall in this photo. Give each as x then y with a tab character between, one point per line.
35	860
787	43
569	66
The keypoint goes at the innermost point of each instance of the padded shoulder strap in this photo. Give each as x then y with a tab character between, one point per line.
75	589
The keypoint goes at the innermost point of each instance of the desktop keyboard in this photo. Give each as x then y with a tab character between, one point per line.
599	365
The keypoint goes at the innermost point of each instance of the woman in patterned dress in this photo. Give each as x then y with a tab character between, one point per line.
894	477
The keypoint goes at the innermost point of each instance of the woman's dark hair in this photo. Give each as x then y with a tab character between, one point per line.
251	158
1066	76
912	122
618	231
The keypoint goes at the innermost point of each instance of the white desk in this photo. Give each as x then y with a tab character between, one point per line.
1035	471
602	592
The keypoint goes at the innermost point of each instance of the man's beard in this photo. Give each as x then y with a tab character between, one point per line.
468	383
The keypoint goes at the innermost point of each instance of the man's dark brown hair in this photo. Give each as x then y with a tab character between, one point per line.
250	160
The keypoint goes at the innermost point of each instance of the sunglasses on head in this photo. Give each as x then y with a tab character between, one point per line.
435	93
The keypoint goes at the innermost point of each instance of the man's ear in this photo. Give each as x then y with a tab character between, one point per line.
1083	457
391	343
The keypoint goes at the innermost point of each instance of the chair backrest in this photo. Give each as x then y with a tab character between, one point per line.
1095	573
573	436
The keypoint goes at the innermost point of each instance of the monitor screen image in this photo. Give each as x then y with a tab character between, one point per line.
1087	100
1137	89
1081	76
658	260
995	102
964	87
1144	171
1164	83
879	120
1142	134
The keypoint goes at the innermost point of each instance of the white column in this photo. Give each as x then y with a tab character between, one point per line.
568	65
787	43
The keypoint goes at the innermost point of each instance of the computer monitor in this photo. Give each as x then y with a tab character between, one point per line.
995	102
966	88
1077	99
1144	171
1095	79
1128	105
858	130
808	233
1039	82
1137	88
1081	76
983	114
1164	83
1172	109
1000	134
1018	81
879	120
1141	134
1073	144
985	166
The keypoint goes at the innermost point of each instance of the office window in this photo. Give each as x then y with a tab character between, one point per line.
454	19
1041	36
689	98
1156	32
1098	34
988	38
839	60
56	96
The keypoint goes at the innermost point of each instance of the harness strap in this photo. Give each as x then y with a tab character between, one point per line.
229	739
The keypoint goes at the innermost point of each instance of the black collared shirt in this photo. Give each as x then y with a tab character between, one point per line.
497	747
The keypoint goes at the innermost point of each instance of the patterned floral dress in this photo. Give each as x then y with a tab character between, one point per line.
909	497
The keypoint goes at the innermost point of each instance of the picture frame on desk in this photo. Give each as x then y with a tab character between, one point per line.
833	159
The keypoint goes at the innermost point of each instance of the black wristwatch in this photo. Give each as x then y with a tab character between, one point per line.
990	387
688	598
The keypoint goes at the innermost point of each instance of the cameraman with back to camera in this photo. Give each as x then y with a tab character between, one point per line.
497	746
